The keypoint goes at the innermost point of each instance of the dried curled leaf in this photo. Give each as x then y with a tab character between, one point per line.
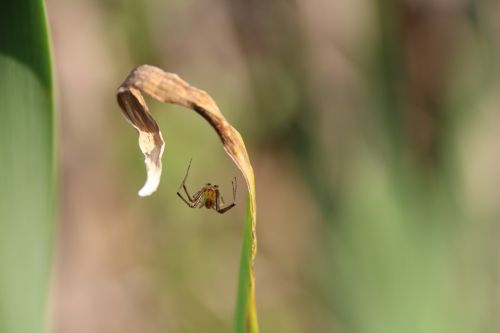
170	88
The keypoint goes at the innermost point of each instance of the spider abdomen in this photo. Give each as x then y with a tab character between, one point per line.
210	197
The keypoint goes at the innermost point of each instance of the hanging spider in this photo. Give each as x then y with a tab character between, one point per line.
208	196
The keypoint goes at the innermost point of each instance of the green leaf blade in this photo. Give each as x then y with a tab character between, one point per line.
246	315
27	181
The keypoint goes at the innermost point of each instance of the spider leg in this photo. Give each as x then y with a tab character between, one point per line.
225	209
192	202
183	185
187	202
187	193
218	198
234	189
187	173
222	210
197	196
197	199
189	197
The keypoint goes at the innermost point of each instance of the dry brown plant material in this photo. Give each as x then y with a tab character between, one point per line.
170	88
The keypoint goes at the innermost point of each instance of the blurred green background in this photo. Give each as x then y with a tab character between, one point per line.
374	131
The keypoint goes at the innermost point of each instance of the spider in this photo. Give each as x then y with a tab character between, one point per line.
208	196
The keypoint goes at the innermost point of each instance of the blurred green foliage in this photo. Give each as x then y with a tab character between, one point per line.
373	129
27	178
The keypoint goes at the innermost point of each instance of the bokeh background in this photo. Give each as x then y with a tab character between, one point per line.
374	131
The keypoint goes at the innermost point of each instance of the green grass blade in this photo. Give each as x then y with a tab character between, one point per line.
246	315
26	167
